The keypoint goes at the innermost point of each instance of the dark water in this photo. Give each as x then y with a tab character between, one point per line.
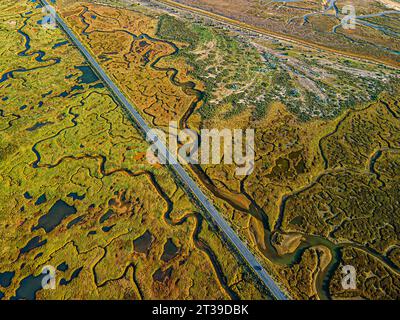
75	196
373	162
38	125
74	222
33	244
42	199
38	255
74	275
6	278
38	56
57	213
88	76
28	287
27	196
44	95
63	267
60	44
161	276
97	86
108	228
77	87
74	88
106	216
143	243
170	251
10	75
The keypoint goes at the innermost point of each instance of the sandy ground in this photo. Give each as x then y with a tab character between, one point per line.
391	4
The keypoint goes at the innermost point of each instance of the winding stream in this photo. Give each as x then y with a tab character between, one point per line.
270	253
39	55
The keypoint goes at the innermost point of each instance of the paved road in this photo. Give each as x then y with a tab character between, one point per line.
182	174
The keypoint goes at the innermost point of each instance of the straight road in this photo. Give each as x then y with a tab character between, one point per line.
179	170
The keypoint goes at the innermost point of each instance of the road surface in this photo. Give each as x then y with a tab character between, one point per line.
179	170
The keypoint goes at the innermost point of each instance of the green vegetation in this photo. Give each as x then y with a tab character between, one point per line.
226	66
77	192
240	77
324	189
